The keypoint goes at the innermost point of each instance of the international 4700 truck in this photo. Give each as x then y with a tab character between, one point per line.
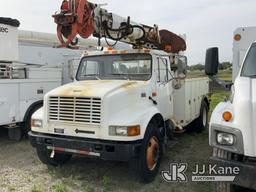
124	104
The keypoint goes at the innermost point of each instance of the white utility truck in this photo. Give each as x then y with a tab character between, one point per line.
123	105
30	66
232	125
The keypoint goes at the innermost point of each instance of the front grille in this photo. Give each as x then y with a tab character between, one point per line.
75	109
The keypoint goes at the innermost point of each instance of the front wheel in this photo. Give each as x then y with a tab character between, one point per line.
147	163
58	159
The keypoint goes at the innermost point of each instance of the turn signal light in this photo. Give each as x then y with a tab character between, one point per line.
227	116
133	130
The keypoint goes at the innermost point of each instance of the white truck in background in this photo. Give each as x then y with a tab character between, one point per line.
232	126
30	66
124	104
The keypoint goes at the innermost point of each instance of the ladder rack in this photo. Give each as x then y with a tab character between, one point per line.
7	71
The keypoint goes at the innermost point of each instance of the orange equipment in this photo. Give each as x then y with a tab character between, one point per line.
86	19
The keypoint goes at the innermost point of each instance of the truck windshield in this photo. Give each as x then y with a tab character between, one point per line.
249	68
123	67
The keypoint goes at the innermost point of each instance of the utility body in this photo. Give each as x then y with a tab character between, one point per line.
232	124
30	66
124	104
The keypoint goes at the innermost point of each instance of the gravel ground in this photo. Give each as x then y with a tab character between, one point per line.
20	169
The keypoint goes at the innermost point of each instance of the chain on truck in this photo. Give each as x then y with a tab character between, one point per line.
124	104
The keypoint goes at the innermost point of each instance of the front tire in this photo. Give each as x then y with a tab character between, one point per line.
58	159
147	163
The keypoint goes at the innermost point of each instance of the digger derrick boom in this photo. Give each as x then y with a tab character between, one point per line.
80	17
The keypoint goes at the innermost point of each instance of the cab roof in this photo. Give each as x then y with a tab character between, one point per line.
133	51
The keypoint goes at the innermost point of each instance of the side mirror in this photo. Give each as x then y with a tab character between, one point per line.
212	61
182	66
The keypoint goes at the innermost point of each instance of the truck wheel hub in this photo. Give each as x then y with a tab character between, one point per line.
153	152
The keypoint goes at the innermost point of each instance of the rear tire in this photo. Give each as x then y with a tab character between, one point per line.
146	165
58	159
201	123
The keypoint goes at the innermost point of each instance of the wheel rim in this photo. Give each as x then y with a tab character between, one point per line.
153	153
204	117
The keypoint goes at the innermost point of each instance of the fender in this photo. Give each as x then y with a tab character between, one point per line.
37	103
147	117
216	117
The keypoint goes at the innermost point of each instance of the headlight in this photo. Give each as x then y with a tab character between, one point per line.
124	130
225	138
36	123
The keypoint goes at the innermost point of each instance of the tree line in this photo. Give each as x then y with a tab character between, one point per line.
200	67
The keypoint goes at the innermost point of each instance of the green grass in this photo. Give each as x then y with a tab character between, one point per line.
224	75
88	188
59	187
38	188
218	97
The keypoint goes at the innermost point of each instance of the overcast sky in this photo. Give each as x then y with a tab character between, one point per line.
206	23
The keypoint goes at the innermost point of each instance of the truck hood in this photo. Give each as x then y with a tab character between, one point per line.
244	105
94	88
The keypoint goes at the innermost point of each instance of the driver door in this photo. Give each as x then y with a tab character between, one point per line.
163	98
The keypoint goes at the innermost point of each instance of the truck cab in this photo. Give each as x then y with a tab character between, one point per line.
232	125
121	107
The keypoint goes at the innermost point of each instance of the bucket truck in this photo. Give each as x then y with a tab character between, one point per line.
124	104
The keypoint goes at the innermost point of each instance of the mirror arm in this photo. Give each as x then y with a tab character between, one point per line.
226	85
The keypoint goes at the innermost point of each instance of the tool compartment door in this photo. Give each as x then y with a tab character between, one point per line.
9	100
187	100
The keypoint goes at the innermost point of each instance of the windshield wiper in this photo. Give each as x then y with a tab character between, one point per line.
122	75
96	76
